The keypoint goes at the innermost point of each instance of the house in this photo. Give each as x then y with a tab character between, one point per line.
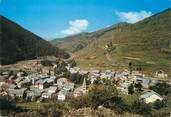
52	89
103	76
144	82
3	93
37	91
123	87
30	95
73	71
77	69
62	95
43	83
68	87
68	67
82	72
92	79
121	76
52	78
4	73
125	74
150	97
12	86
134	73
2	80
108	71
24	83
77	92
48	92
93	76
107	75
20	74
26	67
46	95
95	71
17	92
33	93
50	81
161	74
18	79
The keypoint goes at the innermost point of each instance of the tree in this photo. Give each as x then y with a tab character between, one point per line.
158	104
49	72
24	95
117	104
141	108
61	63
55	71
139	69
131	89
11	73
97	81
46	63
7	106
99	94
72	63
162	88
139	86
80	102
60	70
76	78
130	68
25	73
107	82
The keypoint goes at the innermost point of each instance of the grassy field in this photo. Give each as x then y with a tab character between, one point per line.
32	105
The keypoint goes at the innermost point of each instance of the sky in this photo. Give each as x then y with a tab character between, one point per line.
59	18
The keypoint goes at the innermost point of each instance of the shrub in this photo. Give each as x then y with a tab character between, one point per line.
162	88
46	63
158	104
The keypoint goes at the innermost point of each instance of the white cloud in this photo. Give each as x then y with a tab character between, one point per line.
132	17
75	27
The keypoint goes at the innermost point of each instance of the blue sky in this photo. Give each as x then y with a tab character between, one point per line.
58	18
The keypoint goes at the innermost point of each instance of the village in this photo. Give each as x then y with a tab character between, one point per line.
48	85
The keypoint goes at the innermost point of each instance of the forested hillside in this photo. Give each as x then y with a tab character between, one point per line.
18	43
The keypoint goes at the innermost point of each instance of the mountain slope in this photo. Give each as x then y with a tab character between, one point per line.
145	43
77	42
18	43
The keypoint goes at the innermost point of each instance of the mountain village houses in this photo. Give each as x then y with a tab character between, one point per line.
42	86
150	97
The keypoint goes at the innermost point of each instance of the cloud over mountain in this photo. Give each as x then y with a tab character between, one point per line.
76	26
131	16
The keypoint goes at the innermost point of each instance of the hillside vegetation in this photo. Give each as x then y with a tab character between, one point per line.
146	44
18	44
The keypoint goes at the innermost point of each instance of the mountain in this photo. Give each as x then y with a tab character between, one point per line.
79	41
146	44
18	44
